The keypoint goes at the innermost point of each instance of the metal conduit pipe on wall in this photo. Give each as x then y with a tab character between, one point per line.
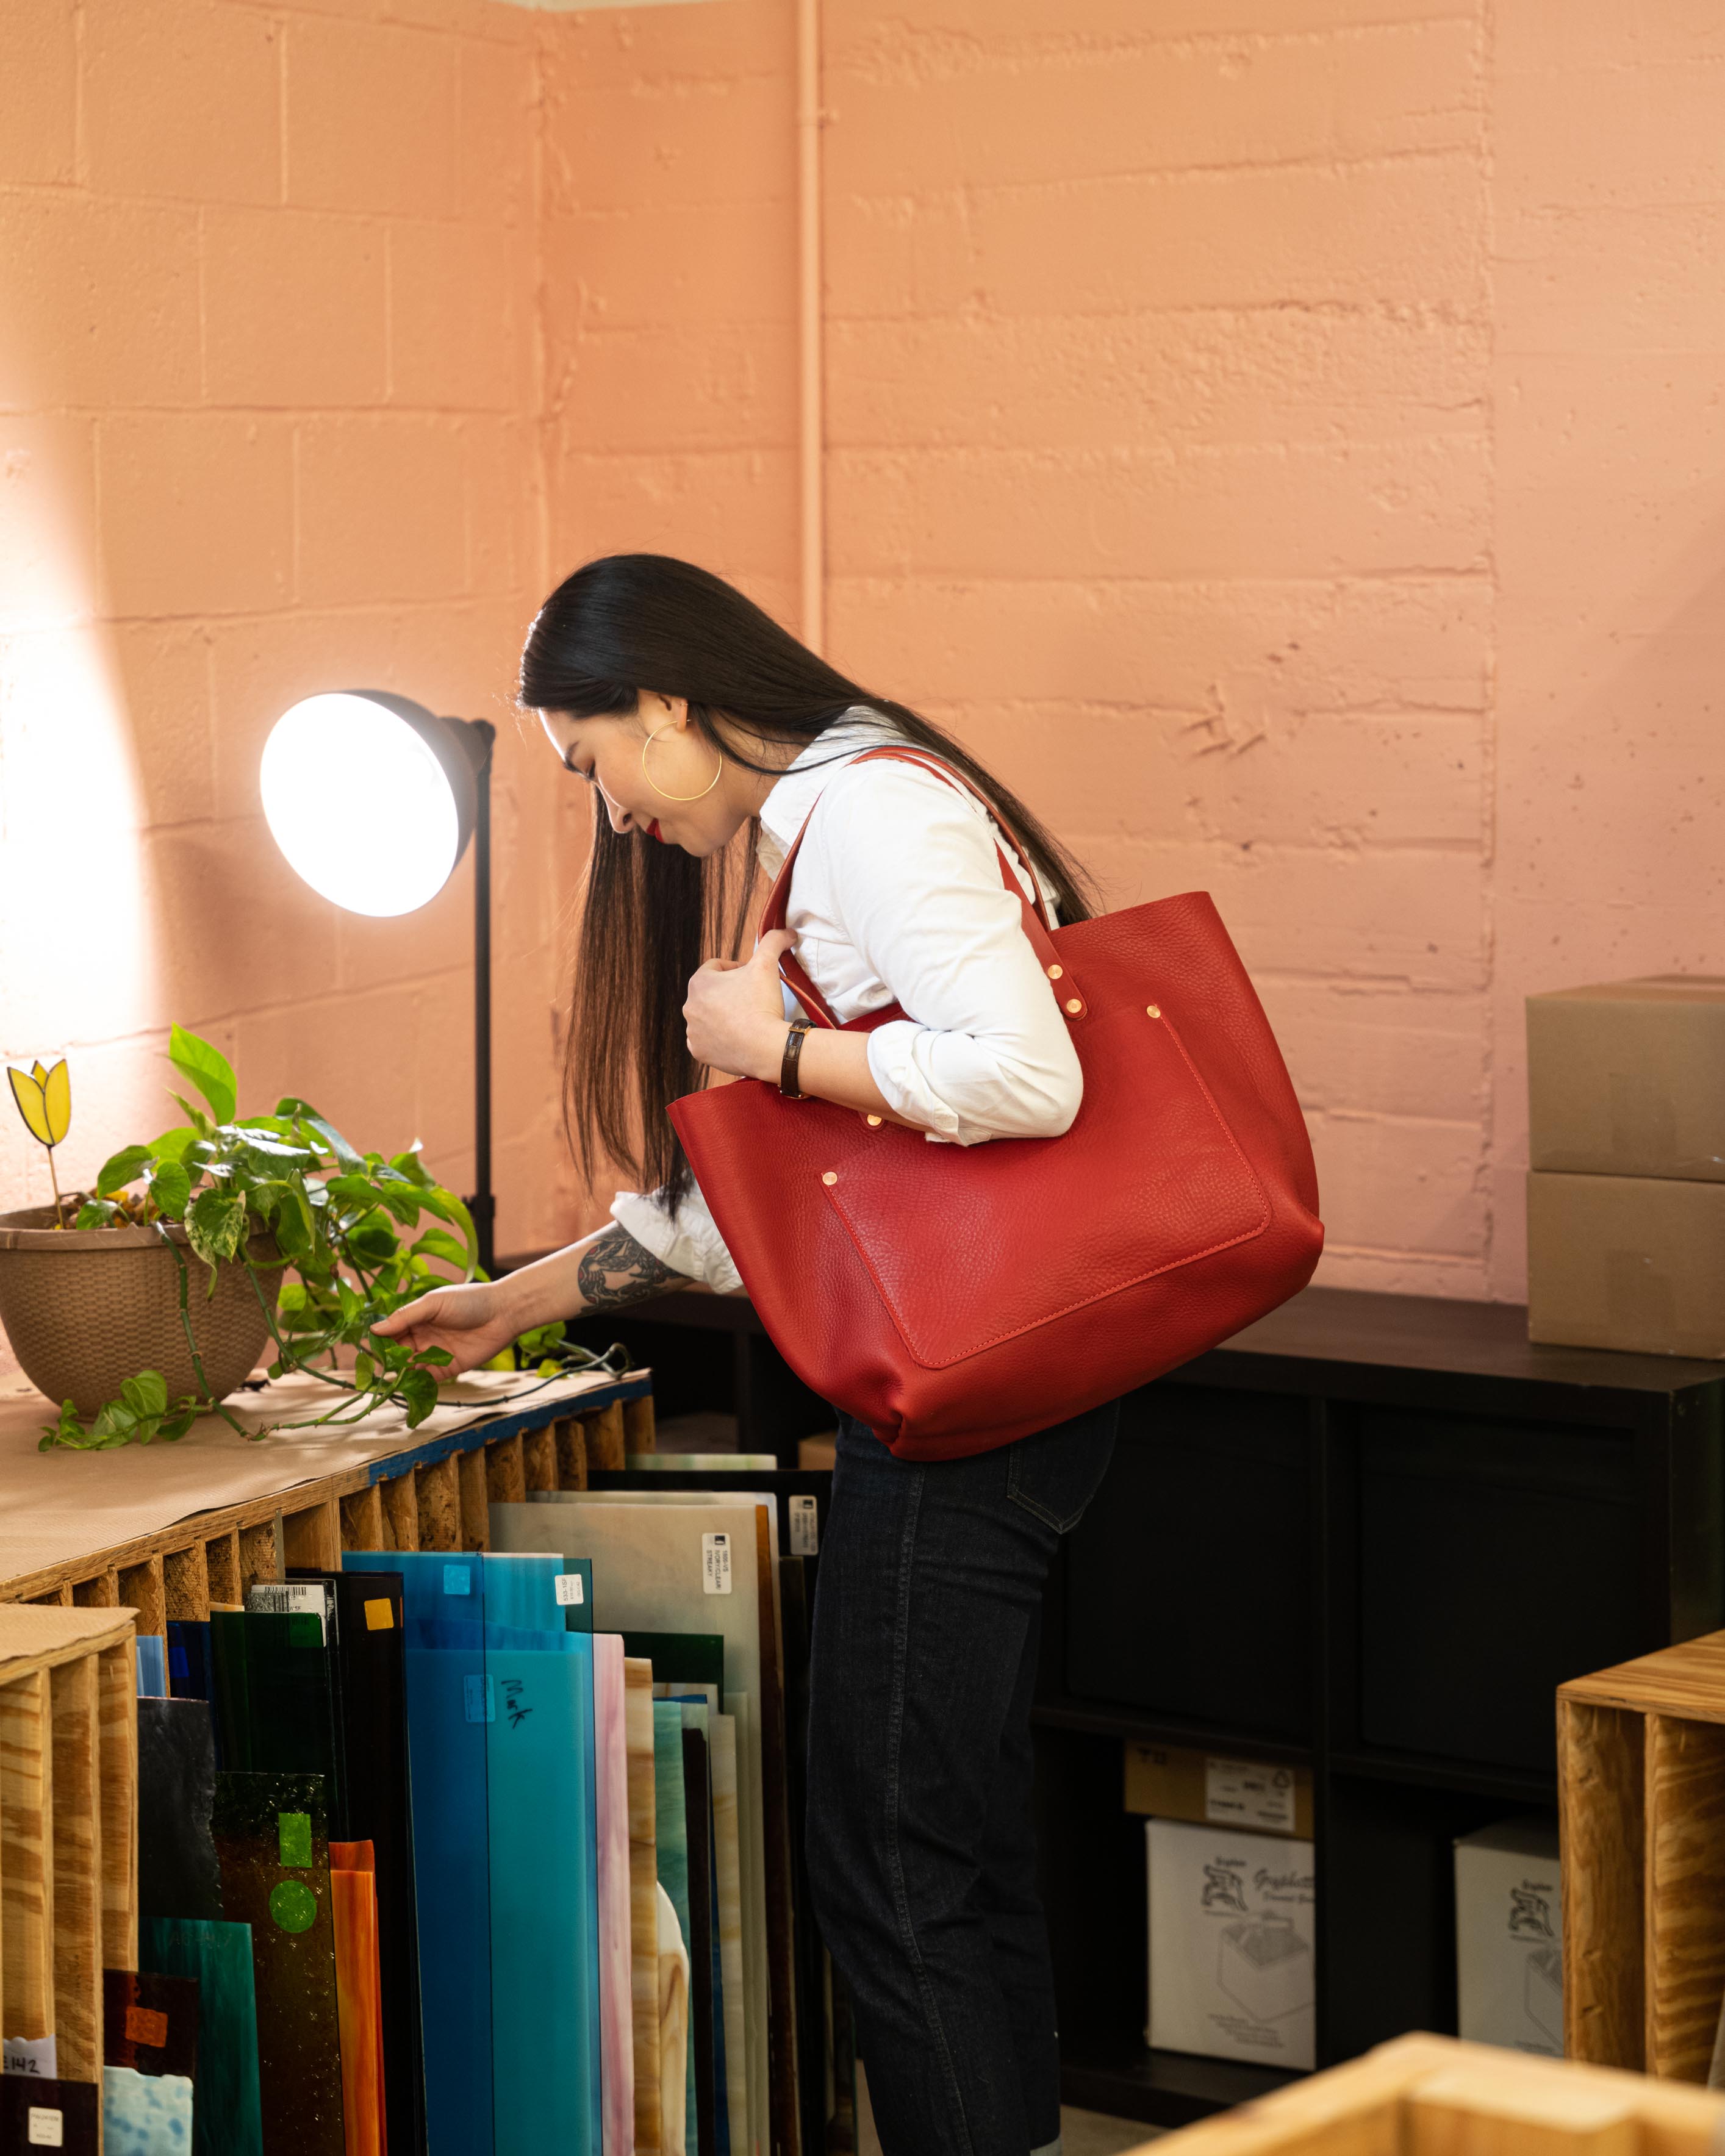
812	419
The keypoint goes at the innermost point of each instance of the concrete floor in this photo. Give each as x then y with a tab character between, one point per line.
1082	2133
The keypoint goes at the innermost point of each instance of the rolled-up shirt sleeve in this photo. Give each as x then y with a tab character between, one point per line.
983	1051
687	1241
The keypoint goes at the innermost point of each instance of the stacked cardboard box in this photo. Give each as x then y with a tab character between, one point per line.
1626	1187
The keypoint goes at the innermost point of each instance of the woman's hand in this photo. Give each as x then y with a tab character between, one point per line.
470	1322
736	1011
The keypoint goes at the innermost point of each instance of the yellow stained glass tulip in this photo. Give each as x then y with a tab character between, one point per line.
44	1101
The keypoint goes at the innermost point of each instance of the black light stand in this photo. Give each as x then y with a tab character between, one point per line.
479	735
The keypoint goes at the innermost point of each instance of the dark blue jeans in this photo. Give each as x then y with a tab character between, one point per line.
920	1845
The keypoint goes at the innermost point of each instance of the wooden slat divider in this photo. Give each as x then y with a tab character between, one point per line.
1685	1769
572	1454
638	1425
117	1767
475	1509
362	1519
222	1561
56	1597
258	1555
185	1583
440	1503
401	1512
539	1459
1602	1798
142	1588
101	1591
506	1472
606	1445
77	1841
27	1856
312	1537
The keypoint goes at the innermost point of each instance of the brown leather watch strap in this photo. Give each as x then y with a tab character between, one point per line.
792	1056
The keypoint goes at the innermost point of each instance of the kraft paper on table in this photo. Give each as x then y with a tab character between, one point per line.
56	1507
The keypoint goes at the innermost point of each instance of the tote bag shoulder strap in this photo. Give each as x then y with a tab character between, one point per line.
1037	925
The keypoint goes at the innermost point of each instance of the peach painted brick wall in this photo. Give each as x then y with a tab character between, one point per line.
270	384
1283	435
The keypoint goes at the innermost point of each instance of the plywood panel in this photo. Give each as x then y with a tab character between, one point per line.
185	1583
1601	1797
117	1769
638	1425
258	1555
142	1588
101	1591
505	1472
401	1512
26	1856
1687	1679
362	1527
572	1454
475	1513
1684	1771
439	1502
605	1445
77	1842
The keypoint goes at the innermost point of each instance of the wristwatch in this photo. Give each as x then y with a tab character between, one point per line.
792	1055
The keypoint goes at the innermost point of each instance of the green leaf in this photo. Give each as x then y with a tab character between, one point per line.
447	1206
170	1188
303	1111
410	1165
174	1144
539	1339
177	1426
364	1370
200	1123
215	1223
206	1069
439	1358
504	1359
147	1394
283	1204
97	1213
417	1390
436	1244
124	1166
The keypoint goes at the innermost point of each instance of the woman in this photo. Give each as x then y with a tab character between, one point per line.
708	735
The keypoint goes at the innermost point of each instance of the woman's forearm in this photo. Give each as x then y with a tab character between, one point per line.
605	1271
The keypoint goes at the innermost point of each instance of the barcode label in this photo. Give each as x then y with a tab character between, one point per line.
805	1530
716	1564
481	1706
296	1598
570	1588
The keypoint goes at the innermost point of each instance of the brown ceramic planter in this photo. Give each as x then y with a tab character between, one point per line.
85	1308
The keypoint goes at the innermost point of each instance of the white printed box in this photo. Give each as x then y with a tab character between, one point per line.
1232	1972
1509	1937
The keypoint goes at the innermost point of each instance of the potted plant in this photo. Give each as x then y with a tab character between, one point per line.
144	1302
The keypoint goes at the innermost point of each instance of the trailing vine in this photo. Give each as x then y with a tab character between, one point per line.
359	1235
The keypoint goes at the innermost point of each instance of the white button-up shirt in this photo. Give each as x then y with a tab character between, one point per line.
898	898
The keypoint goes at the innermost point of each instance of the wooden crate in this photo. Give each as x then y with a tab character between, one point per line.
1641	1800
429	1496
1430	2096
68	1776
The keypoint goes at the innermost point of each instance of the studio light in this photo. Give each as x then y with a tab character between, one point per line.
372	799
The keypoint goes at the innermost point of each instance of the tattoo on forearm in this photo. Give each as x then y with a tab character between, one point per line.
616	1270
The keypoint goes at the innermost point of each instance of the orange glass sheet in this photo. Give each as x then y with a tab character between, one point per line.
353	1893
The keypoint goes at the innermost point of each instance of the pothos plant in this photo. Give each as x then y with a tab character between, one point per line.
360	1233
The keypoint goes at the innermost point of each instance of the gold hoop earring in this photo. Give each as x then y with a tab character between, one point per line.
654	783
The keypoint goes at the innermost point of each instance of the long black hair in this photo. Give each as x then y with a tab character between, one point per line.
653	913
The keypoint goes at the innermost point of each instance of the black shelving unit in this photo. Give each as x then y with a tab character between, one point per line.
1369	1535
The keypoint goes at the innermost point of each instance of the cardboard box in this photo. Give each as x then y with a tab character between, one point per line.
1169	1782
1628	1079
1232	1944
1625	1261
1509	1937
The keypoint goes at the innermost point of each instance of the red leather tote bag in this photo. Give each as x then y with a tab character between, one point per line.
955	1297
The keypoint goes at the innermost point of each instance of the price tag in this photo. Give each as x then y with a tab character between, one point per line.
805	1531
33	2055
570	1588
458	1579
296	1598
716	1564
44	2128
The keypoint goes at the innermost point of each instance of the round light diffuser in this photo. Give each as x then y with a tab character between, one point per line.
370	796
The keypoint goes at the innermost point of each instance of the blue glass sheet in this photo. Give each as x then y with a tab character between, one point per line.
544	1865
443	1607
153	1666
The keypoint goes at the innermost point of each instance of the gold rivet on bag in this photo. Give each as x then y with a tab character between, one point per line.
1055	972
830	1178
874	1122
1074	1006
1153	1010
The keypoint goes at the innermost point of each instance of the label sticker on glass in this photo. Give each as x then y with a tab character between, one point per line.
570	1588
805	1531
1249	1793
293	1836
380	1615
38	2055
716	1564
44	2128
481	1707
296	1598
458	1579
146	2025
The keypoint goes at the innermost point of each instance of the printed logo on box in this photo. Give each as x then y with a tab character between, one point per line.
1247	1793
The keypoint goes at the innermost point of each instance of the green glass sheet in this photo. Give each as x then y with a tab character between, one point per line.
672	1836
262	1823
275	1698
681	1657
228	2114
